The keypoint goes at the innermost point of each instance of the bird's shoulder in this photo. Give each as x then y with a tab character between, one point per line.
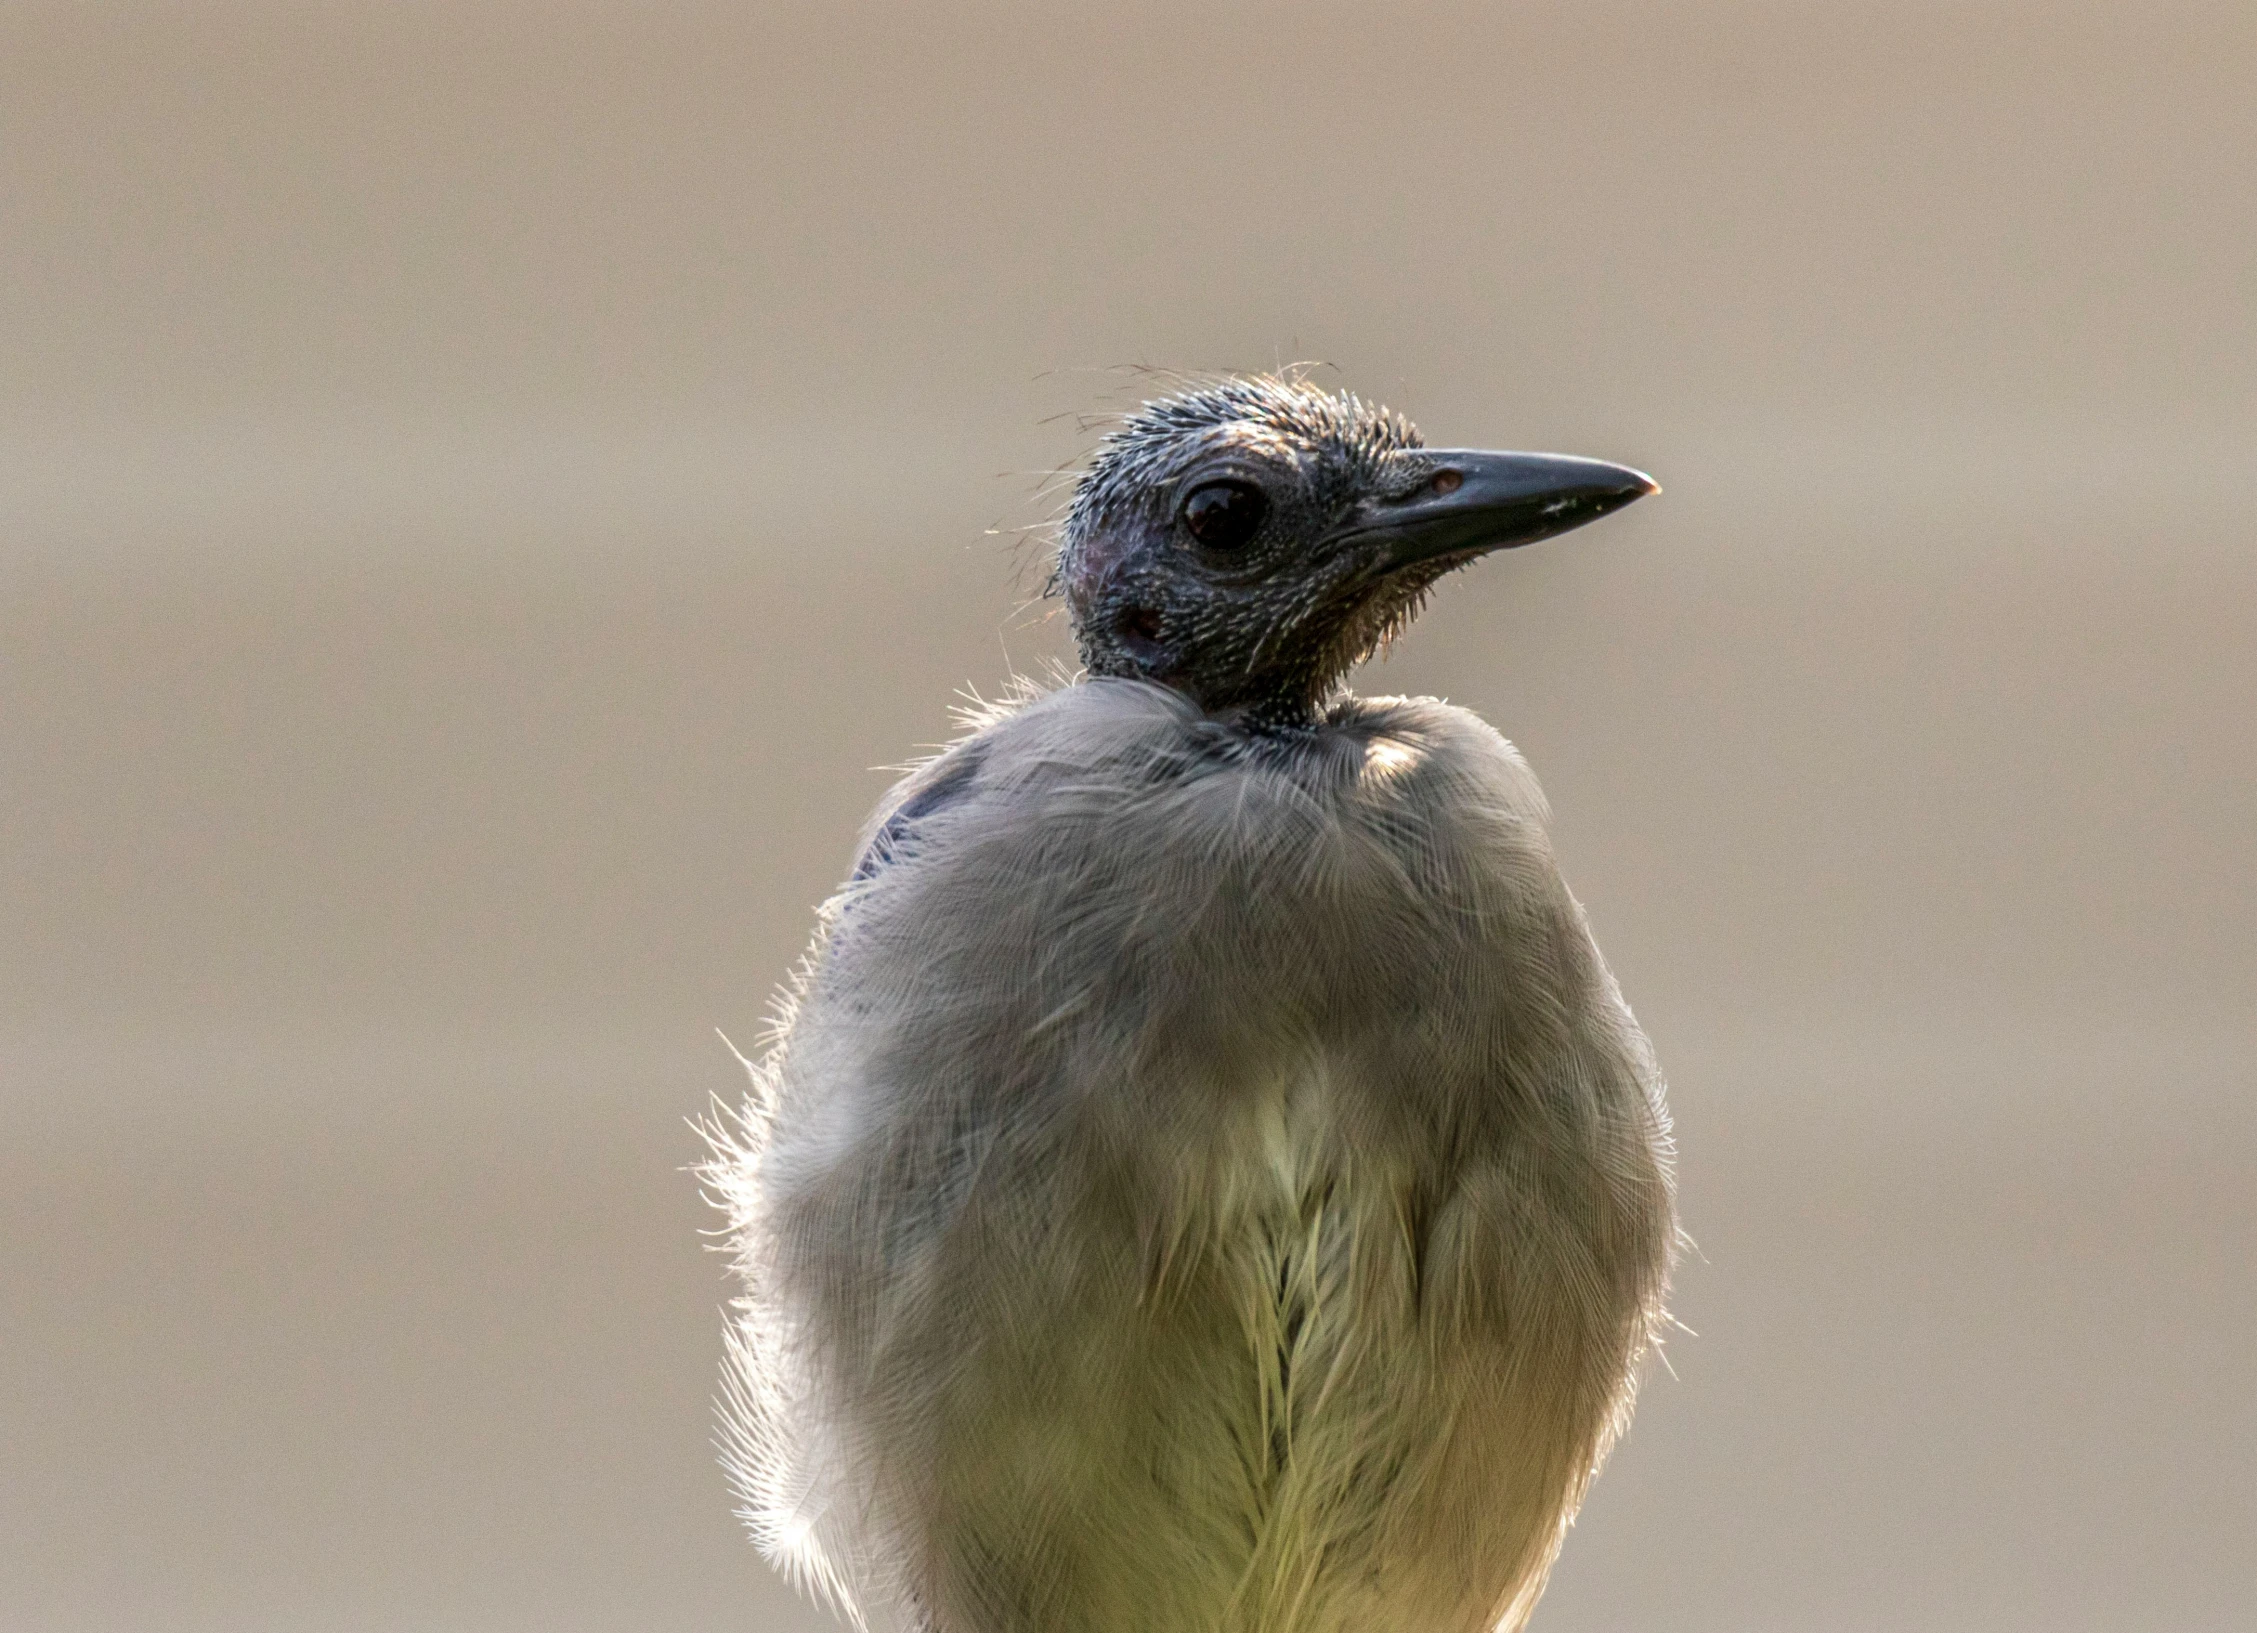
1121	760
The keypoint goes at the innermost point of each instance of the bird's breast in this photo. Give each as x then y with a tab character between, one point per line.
1225	1168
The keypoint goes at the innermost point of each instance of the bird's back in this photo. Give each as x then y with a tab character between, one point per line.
1209	1182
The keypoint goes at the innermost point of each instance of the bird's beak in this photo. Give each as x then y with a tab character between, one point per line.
1474	502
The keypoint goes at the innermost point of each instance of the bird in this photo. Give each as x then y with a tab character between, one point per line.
1203	1177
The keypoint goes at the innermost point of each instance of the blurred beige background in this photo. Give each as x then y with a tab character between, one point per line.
481	485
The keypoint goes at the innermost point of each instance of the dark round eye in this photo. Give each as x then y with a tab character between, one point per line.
1224	515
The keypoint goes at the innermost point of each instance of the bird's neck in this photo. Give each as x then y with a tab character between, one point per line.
1284	706
1282	714
1284	697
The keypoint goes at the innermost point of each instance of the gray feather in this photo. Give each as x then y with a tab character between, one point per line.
1200	1189
1204	1178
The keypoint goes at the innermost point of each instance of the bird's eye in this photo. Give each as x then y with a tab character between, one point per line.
1224	515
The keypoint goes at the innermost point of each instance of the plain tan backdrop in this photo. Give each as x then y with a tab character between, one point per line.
482	485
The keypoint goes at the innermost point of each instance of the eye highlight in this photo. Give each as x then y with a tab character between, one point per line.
1224	515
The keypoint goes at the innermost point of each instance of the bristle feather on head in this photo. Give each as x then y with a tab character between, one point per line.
1137	456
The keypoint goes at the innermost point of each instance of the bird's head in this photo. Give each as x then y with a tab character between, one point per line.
1249	542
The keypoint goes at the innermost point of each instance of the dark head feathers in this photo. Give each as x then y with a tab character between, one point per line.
1138	458
1263	628
1247	543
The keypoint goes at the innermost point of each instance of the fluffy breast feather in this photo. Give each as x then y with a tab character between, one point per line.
1207	1183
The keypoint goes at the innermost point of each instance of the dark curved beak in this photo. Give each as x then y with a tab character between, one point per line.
1475	501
